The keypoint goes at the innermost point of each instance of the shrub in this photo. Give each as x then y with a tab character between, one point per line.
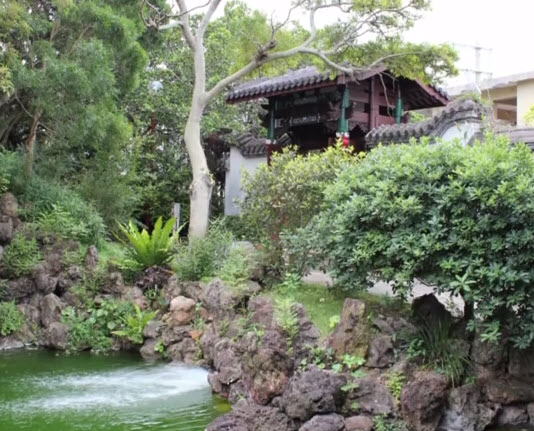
10	166
20	256
11	319
460	218
287	318
93	329
433	345
287	194
237	266
42	200
144	249
203	257
134	325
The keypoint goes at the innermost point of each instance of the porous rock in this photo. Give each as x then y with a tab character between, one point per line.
351	335
57	336
220	300
18	288
6	229
359	423
182	311
512	416
44	282
91	258
371	397
9	205
331	422
381	353
153	329
422	400
51	308
312	392
148	350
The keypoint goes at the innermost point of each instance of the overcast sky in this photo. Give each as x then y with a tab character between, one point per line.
502	26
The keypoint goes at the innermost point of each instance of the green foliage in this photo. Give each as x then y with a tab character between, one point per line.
287	318
11	319
529	116
134	325
382	423
204	257
144	249
395	382
93	329
61	211
435	348
458	217
333	322
417	117
21	255
10	166
287	194
237	266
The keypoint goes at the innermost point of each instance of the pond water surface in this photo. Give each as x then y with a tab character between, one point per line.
44	391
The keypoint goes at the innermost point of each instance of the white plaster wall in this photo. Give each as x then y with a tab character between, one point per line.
463	131
232	190
525	99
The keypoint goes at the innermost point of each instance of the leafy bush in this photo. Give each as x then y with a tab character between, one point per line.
203	257
287	194
134	325
11	319
287	318
458	217
237	266
144	249
93	329
10	166
61	210
435	348
20	256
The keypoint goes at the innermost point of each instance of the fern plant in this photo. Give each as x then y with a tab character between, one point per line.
134	324
143	249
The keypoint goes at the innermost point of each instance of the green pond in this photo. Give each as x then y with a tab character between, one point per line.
45	391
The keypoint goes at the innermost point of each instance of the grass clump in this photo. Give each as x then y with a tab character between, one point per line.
11	319
21	255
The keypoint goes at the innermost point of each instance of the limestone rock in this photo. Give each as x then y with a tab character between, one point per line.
174	334
148	350
427	308
351	335
422	400
359	423
312	392
91	258
153	329
226	361
308	334
261	311
69	278
6	230
182	311
44	282
57	336
521	363
9	205
331	422
252	417
32	315
512	416
10	342
220	300
381	353
507	390
186	351
51	308
114	284
466	411
371	397
19	288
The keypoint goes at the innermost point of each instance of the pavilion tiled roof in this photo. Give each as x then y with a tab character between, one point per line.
454	112
252	146
311	77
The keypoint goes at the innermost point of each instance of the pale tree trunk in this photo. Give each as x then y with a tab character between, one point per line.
30	144
202	184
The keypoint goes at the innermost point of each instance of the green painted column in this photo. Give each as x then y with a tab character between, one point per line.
343	122
398	108
272	112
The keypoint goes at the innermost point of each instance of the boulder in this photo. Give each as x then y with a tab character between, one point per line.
359	423
32	315
247	416
465	410
507	390
69	278
19	288
261	310
153	329
148	350
381	353
57	336
226	361
44	282
422	400
182	311
114	284
6	229
51	308
307	336
192	289
174	334
220	300
512	416
267	369
331	422
371	397
186	351
91	258
312	392
10	342
351	335
9	205
487	357
521	363
135	295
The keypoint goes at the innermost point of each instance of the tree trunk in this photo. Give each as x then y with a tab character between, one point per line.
30	144
202	184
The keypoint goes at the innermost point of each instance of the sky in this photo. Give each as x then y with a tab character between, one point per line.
501	27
